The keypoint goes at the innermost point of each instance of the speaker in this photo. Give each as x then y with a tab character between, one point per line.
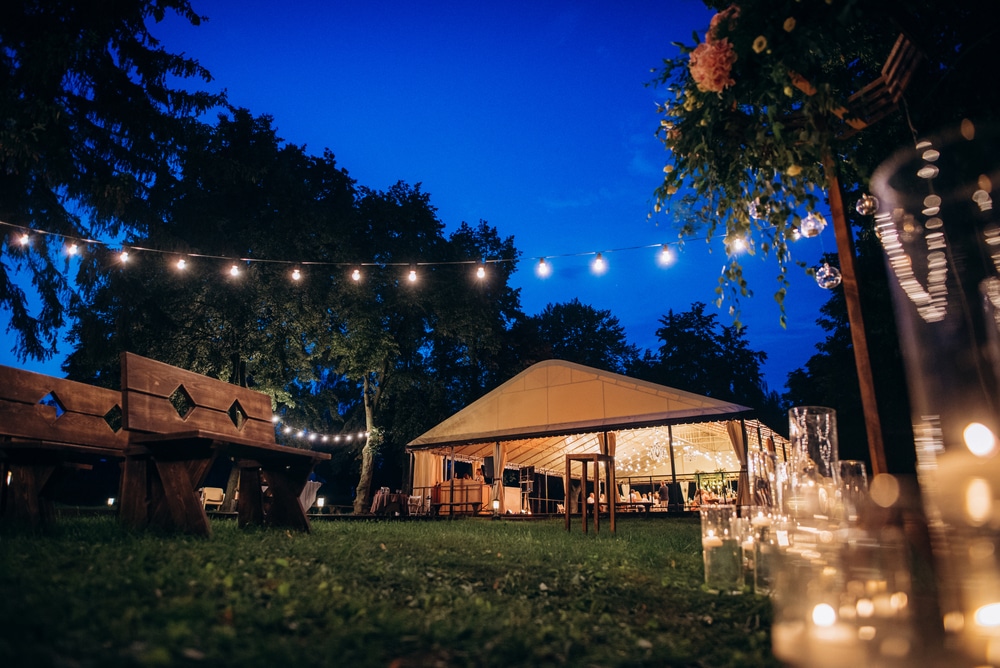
488	467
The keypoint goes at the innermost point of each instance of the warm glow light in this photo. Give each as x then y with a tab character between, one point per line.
978	501
347	437
324	439
312	437
234	270
665	257
356	275
288	430
737	245
111	500
600	266
362	434
301	433
124	256
25	239
296	274
824	615
988	615
979	439
320	501
72	249
412	276
480	271
275	419
181	264
543	268
496	505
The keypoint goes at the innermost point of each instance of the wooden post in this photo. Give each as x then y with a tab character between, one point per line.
845	253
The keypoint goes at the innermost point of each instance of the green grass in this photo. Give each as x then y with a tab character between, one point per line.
463	593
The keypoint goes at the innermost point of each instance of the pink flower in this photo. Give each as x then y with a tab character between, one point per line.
711	63
726	18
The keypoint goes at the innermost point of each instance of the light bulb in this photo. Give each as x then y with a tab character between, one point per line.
412	276
123	256
72	249
25	239
480	271
181	263
543	268
600	266
356	275
234	270
666	257
296	274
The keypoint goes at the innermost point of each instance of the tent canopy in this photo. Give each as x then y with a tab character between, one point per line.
555	408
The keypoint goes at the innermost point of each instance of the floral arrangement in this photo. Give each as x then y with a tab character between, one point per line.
750	111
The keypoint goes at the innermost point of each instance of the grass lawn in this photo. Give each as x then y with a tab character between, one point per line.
471	592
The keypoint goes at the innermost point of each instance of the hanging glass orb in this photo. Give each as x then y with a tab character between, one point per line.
812	225
828	277
759	211
867	205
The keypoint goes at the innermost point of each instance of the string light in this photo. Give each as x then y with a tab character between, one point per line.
665	257
599	266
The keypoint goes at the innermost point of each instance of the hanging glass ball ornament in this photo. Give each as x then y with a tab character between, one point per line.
828	277
759	211
867	205
812	225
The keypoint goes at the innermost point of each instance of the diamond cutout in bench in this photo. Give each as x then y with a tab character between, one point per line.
182	402
237	415
114	418
52	401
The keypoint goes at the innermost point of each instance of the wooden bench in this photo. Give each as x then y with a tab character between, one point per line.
179	422
49	427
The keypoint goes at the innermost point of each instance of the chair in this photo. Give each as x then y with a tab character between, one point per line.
212	496
416	505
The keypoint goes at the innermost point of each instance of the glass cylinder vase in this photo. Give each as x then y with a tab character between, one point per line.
941	239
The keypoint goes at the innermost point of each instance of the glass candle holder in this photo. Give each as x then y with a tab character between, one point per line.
941	239
721	549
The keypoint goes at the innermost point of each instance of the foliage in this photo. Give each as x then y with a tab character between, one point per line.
90	123
364	593
575	332
699	355
746	152
234	186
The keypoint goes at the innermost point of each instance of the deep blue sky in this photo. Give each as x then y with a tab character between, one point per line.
531	116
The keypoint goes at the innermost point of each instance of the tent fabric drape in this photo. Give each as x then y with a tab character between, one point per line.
499	462
735	431
427	470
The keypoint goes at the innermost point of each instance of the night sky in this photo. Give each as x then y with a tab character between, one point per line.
533	117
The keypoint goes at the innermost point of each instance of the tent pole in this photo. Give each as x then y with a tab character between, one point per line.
670	445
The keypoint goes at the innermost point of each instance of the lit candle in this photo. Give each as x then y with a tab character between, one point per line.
711	540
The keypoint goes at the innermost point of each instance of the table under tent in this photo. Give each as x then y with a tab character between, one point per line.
508	451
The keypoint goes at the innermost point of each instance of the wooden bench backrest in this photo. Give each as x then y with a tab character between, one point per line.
34	406
155	394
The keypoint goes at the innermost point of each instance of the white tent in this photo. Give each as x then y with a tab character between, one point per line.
555	408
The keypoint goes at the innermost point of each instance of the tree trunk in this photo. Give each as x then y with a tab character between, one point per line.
363	495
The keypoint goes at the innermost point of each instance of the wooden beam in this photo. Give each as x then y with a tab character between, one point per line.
862	360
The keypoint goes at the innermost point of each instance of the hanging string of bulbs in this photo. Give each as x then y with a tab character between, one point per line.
316	436
665	256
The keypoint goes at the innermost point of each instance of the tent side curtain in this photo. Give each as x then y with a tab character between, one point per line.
734	429
499	463
427	470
